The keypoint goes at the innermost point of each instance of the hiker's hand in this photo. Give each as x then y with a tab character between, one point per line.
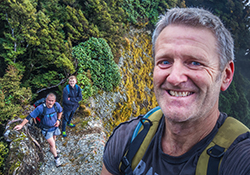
57	123
18	127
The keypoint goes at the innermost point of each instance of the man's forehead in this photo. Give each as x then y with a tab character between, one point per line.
51	97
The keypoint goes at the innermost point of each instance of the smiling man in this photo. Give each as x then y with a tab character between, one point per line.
193	55
50	113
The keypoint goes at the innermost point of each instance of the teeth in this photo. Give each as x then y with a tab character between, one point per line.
179	94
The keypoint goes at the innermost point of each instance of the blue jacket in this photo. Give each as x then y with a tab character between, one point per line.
74	95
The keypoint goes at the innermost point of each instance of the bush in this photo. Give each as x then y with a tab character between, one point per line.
97	69
3	153
12	96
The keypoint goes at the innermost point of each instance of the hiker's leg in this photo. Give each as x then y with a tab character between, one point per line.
52	146
65	120
57	132
71	116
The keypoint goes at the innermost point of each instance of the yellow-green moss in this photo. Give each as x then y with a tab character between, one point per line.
137	81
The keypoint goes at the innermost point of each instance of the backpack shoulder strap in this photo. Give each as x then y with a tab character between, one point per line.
44	110
55	107
211	157
77	89
67	86
154	116
141	138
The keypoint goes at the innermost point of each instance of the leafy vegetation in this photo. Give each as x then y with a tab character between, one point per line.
3	153
12	96
97	69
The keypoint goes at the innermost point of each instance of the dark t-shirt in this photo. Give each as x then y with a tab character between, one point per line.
155	161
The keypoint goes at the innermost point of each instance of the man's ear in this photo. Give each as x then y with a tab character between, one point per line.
227	75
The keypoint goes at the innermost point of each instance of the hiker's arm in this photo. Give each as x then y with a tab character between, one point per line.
105	171
77	98
66	97
59	116
18	127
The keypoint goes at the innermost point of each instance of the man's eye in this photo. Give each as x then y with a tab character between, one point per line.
195	63
165	62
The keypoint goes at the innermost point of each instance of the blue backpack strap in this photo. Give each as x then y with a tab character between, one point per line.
44	111
55	107
67	88
77	89
137	129
138	138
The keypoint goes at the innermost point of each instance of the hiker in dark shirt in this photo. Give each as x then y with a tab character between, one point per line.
51	121
72	95
193	61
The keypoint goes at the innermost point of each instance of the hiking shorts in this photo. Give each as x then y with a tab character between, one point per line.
49	134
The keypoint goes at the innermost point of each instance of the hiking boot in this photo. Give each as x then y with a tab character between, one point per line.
71	125
58	162
64	134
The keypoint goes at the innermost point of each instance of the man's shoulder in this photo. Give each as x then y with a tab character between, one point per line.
40	107
127	125
78	87
58	106
123	132
65	88
117	144
236	159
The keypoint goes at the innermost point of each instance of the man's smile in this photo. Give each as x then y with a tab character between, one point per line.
179	94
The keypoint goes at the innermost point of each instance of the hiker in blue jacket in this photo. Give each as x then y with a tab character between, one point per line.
50	120
72	95
193	61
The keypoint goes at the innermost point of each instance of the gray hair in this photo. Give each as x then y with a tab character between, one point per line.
197	17
51	94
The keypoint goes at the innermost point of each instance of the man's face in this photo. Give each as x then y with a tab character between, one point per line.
72	82
50	101
187	79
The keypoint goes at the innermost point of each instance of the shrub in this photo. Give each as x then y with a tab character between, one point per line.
97	69
12	96
3	153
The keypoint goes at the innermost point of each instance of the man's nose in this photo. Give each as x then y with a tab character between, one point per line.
177	74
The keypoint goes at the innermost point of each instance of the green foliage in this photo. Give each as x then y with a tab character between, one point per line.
37	36
12	96
97	69
3	153
234	100
45	80
142	13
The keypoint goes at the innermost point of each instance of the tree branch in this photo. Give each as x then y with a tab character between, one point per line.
62	81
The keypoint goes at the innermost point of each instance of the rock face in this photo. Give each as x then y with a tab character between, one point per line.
81	151
25	151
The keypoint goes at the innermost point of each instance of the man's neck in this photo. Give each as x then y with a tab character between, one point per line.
178	138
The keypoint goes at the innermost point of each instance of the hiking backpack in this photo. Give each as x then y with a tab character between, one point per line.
209	160
38	120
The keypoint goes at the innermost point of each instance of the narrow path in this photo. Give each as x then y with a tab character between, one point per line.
81	151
